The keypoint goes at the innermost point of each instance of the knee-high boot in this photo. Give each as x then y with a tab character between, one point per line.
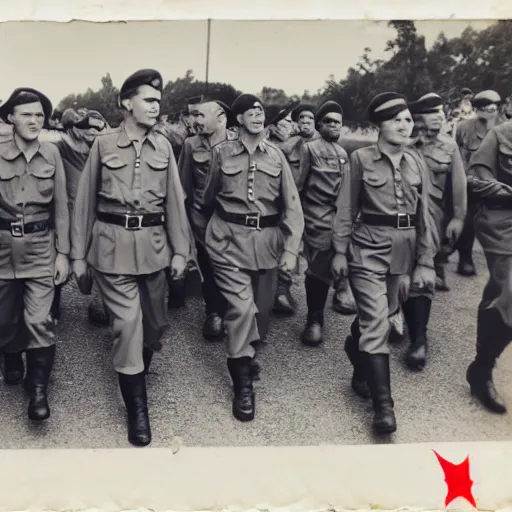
13	369
359	382
379	381
243	400
316	297
417	313
39	368
492	339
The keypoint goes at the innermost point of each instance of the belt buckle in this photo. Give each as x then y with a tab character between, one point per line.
18	227
401	216
130	226
252	221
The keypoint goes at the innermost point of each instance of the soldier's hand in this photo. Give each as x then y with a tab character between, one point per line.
83	276
423	278
79	268
454	230
178	266
340	266
61	272
288	262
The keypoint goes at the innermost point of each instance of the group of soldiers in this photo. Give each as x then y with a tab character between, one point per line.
127	211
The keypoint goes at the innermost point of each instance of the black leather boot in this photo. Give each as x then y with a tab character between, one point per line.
417	313
359	383
98	314
39	367
284	303
147	356
441	283
213	327
55	309
316	297
492	339
379	381
133	390
177	292
14	369
243	400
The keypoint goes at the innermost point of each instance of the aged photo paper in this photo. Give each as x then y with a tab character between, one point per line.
255	257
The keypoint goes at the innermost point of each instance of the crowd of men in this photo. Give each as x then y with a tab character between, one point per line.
239	197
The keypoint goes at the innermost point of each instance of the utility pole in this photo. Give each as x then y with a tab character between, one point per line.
208	55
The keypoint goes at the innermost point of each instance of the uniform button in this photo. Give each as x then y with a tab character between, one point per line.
136	202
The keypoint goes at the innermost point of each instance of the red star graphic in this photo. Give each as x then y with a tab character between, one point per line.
457	479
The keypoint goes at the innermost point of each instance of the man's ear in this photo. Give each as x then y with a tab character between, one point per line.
239	118
126	105
9	118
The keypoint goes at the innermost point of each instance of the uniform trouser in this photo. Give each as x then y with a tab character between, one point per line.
249	301
25	320
213	298
494	325
376	296
464	244
138	314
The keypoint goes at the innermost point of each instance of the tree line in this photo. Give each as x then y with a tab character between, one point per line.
476	59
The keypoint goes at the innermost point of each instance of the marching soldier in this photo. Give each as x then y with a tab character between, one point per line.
447	214
194	163
34	245
74	149
469	136
130	225
256	226
387	192
323	167
490	184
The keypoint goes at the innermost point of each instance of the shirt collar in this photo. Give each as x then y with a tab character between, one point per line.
124	141
12	151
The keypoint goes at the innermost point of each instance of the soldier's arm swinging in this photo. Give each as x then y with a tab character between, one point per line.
459	197
185	170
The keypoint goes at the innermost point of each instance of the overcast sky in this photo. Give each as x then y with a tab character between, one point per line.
68	58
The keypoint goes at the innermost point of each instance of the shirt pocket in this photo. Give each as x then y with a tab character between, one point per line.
440	164
157	176
111	172
232	180
201	167
327	162
44	180
268	181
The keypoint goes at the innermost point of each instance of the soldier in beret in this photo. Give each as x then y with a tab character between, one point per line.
280	127
324	166
256	227
469	136
490	184
130	225
34	245
74	148
386	193
212	118
446	214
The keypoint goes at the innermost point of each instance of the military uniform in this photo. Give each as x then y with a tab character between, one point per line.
490	184
194	165
444	162
129	220
389	240
34	230
324	166
257	216
469	136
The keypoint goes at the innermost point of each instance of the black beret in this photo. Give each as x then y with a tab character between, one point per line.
194	100
93	119
327	108
244	102
22	96
223	106
302	107
386	106
283	113
149	77
69	118
427	104
466	90
484	98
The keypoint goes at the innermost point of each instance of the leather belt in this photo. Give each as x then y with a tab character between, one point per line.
399	221
132	221
18	227
250	220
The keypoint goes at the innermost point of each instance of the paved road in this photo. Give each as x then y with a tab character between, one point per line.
304	397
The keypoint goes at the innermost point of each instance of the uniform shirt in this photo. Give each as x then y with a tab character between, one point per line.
246	183
323	167
444	162
469	136
373	188
291	149
116	179
35	189
490	182
74	155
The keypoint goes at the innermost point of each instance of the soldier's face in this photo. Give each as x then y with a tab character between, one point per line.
28	120
253	120
285	126
508	108
208	118
306	123
145	106
397	131
330	126
488	113
434	120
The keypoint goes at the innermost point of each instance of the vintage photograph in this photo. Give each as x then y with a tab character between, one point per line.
255	233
